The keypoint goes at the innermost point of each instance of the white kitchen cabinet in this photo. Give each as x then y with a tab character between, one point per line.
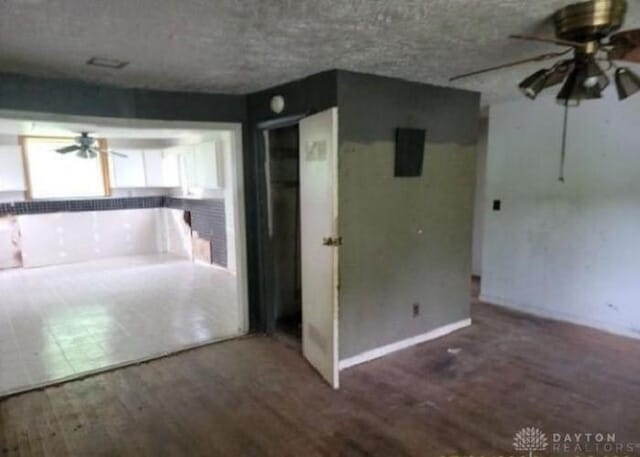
128	171
170	169
11	169
162	167
153	168
206	175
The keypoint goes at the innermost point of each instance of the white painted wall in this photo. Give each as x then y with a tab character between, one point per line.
568	251
63	238
478	212
11	171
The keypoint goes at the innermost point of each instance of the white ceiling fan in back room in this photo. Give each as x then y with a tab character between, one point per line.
86	148
594	47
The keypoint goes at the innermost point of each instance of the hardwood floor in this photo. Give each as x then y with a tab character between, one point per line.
257	397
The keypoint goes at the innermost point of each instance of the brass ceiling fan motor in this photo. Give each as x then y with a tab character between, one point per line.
590	21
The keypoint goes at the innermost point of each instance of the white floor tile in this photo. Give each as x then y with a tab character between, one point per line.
57	322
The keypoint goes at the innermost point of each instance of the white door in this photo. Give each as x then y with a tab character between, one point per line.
319	241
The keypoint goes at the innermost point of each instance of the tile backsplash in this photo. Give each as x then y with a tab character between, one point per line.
207	215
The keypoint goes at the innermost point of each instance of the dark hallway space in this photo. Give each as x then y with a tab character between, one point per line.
284	228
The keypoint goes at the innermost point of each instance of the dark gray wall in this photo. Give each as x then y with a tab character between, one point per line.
405	240
371	107
302	97
25	93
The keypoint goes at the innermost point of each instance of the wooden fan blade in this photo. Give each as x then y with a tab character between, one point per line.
68	149
551	55
558	41
625	46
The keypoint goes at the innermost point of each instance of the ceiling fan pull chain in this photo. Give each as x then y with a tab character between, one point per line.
563	153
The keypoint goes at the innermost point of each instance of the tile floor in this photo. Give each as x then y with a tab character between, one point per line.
62	322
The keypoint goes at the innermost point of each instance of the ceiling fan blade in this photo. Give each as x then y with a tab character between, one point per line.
558	41
119	154
68	149
551	55
625	46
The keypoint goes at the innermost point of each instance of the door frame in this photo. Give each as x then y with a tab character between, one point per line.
265	247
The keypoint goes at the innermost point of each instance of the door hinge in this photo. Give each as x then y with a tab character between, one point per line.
332	241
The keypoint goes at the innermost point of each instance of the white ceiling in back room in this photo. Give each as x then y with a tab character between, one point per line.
67	129
239	46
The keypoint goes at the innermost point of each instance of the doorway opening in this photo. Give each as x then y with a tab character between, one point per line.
299	240
283	183
126	244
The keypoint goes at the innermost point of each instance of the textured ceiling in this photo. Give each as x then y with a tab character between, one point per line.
239	46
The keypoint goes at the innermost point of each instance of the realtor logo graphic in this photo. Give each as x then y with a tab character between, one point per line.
530	439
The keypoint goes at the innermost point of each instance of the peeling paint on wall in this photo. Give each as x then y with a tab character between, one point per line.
406	241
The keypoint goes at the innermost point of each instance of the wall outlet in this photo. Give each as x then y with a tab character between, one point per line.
416	309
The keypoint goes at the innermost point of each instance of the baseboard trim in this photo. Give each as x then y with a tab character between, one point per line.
561	317
403	344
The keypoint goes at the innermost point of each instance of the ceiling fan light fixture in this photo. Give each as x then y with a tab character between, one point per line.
585	82
627	83
532	85
571	92
593	76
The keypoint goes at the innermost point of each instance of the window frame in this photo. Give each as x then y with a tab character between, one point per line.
102	146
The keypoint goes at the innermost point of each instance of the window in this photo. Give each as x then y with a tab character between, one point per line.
53	175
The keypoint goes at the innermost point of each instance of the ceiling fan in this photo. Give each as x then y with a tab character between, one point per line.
587	29
85	146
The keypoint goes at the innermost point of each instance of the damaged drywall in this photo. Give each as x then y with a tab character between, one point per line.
10	243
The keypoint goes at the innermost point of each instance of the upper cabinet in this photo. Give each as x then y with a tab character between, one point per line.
195	168
170	169
153	168
161	168
145	168
128	171
11	168
202	167
207	174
